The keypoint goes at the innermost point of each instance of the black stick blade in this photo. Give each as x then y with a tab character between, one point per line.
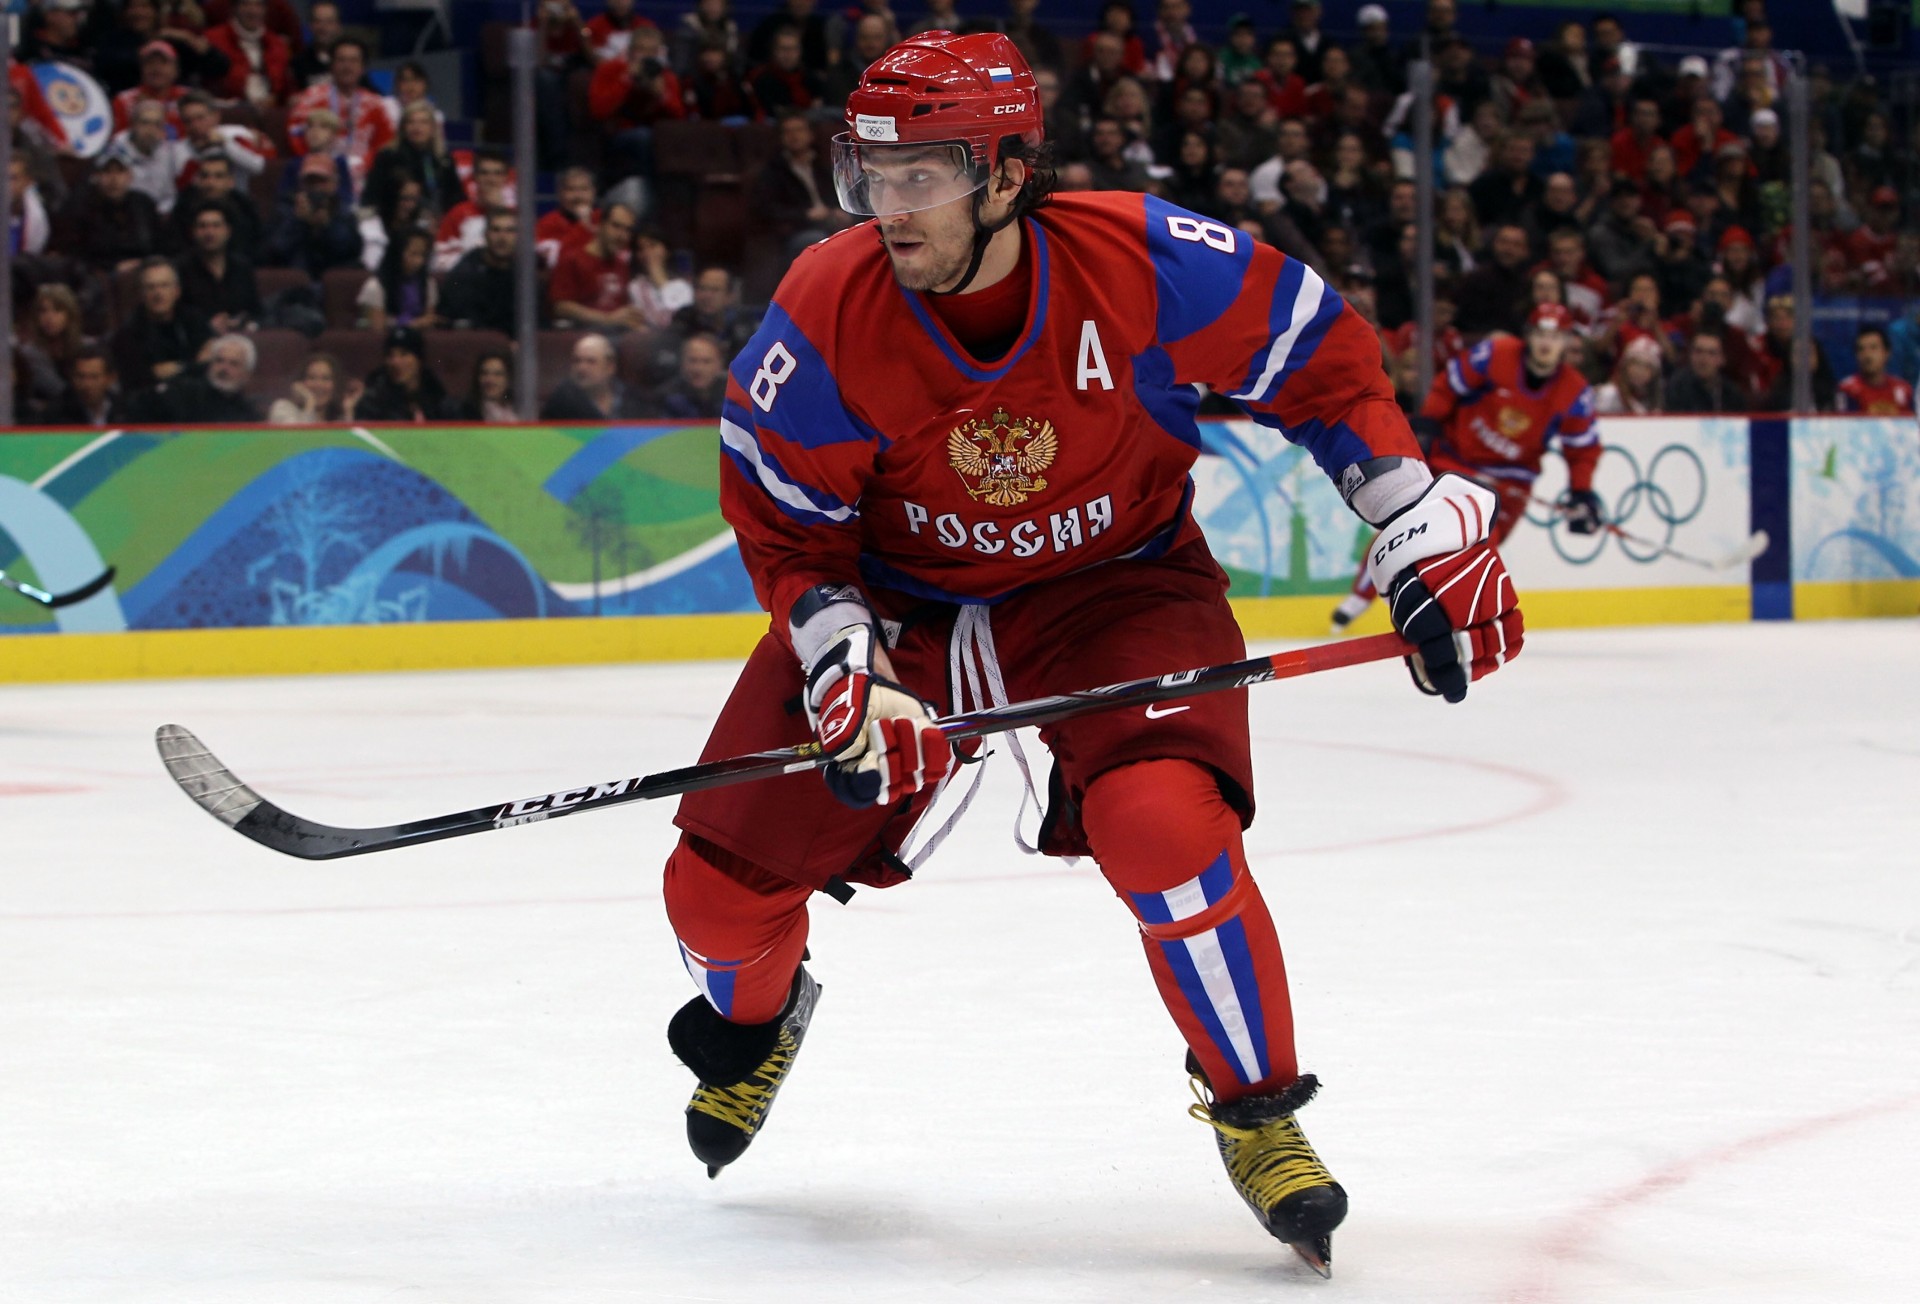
84	592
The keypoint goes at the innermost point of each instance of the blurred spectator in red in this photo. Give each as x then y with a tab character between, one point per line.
1308	38
155	160
1032	38
489	397
699	386
1602	109
1326	92
1871	391
1517	83
631	96
593	391
217	281
1585	291
365	126
464	226
318	231
1660	190
707	23
1636	388
798	16
205	137
562	33
1903	267
589	286
714	92
792	196
417	154
1172	33
609	32
313	59
1636	315
1702	385
1447	341
571	222
1695	144
870	41
655	290
784	81
159	83
1633	143
1377	63
404	387
479	293
260	60
282	19
1286	88
108	223
1116	20
402	292
1739	263
1869	246
162	339
322	396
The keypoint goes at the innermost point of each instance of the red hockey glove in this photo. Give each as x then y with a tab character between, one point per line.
1447	590
880	736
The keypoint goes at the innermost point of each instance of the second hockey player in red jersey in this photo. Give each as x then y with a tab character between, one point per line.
1491	415
956	459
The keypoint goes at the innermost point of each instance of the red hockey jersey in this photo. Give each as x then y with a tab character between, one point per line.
1496	423
863	443
1892	397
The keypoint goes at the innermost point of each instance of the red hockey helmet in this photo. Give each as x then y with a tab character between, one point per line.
1550	317
961	96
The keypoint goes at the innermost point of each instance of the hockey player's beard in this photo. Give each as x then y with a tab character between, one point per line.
926	260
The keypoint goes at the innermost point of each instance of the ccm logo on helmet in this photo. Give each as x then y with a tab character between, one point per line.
1009	108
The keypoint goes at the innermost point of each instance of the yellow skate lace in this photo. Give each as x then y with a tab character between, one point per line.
744	1104
1266	1163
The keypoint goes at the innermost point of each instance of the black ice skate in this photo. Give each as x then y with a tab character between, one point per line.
740	1066
1273	1166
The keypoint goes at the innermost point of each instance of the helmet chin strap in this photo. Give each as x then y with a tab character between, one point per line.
982	237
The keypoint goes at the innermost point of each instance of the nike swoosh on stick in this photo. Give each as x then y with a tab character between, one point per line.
1154	713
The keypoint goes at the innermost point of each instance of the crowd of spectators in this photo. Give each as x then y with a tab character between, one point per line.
255	166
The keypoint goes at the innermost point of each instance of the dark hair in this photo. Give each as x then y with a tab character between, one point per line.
413	68
489	156
90	353
473	383
1708	333
499	211
1042	177
1878	331
340	42
200	99
392	276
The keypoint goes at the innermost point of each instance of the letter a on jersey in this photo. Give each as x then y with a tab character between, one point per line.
1093	359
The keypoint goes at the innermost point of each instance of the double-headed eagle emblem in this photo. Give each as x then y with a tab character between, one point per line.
1004	455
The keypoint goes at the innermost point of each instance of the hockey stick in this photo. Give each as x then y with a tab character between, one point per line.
66	599
1756	543
202	777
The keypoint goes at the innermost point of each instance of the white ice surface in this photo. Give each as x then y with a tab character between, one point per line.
1612	976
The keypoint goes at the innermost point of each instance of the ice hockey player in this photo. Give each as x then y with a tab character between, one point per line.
955	457
1490	417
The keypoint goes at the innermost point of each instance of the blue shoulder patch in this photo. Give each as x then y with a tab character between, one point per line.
1199	268
792	390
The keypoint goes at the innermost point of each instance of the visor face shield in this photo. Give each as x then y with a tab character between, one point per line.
878	180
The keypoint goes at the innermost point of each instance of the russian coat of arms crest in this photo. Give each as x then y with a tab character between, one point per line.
1001	457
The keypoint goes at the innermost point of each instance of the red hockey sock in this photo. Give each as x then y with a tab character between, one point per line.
741	928
1170	846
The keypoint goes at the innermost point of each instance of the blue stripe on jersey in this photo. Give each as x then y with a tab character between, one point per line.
740	441
1286	289
1034	327
1334	448
1172	406
1194	282
1309	338
1246	986
803	399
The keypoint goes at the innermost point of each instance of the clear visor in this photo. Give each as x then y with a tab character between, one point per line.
877	180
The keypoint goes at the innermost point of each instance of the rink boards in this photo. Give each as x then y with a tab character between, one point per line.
278	550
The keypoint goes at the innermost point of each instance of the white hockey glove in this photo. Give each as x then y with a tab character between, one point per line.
879	736
1447	590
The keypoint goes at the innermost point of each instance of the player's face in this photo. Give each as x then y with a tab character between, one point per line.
930	249
1871	354
1545	348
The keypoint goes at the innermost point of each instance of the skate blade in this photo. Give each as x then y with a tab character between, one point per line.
713	1171
1316	1254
